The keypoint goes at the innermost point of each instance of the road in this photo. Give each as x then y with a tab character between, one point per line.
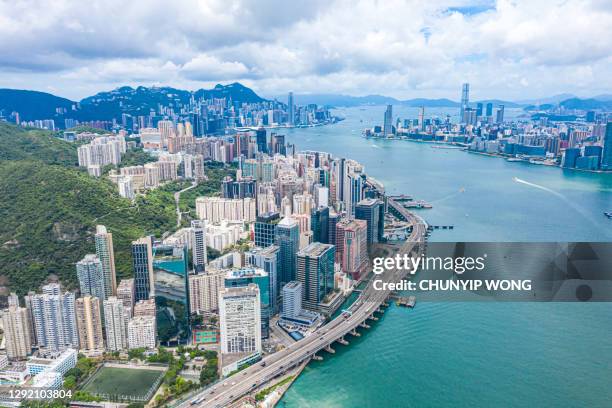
177	199
225	392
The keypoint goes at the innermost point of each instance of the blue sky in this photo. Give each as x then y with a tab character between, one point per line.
507	49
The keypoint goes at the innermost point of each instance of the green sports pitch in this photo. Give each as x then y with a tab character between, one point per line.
122	383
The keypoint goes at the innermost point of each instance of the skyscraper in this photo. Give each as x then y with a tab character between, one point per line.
126	292
115	324
606	158
489	111
262	140
27	300
17	335
54	319
292	300
373	212
319	222
91	276
352	247
265	229
291	109
268	260
198	245
288	240
334	218
500	114
422	119
388	122
172	288
106	255
479	109
315	271
142	260
465	99
204	291
89	323
240	319
277	143
243	277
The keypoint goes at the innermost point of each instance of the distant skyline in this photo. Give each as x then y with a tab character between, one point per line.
512	50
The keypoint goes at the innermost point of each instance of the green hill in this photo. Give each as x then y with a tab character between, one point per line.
19	144
110	105
33	104
49	210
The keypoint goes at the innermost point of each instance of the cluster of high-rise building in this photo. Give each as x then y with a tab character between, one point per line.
196	117
101	151
307	218
581	142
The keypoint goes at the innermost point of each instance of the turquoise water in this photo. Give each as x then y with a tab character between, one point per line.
471	354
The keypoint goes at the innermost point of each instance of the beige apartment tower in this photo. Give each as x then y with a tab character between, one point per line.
89	323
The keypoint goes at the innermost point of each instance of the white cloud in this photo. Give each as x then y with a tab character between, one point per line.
509	49
205	67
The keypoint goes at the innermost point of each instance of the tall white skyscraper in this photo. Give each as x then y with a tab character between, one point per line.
106	255
16	326
240	319
91	276
198	245
54	319
115	324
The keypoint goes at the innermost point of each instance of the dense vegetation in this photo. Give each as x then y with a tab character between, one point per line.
215	173
49	217
136	157
87	129
50	208
19	144
261	395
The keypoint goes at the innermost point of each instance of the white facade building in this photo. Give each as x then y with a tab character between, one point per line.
216	209
141	332
240	319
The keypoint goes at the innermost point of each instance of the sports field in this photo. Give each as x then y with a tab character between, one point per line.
122	382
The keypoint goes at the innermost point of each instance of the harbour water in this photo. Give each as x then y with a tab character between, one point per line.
470	354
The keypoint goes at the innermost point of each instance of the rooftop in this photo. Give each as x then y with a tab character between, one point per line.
315	249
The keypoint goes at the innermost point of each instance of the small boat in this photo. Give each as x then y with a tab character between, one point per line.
608	214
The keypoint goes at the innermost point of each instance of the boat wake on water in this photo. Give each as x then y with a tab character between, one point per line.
571	204
449	196
518	180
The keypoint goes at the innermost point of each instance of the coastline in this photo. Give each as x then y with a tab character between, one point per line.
464	147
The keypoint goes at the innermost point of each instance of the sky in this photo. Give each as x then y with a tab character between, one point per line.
506	49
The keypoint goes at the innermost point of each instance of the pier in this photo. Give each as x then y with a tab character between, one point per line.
406	301
443	227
